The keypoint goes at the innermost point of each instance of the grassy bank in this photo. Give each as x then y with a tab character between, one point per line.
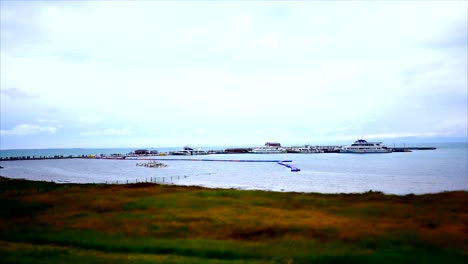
147	223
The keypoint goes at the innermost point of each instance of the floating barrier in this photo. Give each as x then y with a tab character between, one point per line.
293	168
280	162
222	160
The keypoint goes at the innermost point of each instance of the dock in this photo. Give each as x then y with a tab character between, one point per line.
321	149
409	149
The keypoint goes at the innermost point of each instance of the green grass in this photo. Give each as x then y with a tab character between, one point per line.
406	248
208	251
146	223
10	208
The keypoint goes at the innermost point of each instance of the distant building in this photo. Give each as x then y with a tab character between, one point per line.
188	148
237	150
273	145
141	152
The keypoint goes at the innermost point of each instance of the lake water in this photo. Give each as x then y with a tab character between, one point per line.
418	172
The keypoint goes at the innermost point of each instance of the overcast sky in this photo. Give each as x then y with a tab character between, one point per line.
227	73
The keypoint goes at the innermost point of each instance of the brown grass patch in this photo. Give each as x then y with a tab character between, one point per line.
194	212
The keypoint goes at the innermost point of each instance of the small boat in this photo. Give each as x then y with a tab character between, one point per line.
199	151
306	149
292	150
309	150
184	152
181	153
362	146
267	150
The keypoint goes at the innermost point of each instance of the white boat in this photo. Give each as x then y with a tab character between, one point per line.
267	150
184	152
181	153
200	151
306	149
362	146
309	149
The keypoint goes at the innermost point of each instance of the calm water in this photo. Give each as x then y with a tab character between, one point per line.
430	171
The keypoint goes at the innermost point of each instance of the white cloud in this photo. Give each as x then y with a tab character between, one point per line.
119	132
108	132
28	129
89	119
292	69
15	93
50	121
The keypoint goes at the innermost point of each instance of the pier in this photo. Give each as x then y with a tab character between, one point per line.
293	168
409	149
279	162
288	150
46	157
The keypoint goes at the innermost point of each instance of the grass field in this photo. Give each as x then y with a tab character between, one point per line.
44	222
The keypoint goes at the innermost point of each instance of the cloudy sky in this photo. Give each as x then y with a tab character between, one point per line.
231	73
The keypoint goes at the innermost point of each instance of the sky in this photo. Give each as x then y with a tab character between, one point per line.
231	73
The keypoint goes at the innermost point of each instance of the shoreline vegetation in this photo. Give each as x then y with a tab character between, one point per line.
44	222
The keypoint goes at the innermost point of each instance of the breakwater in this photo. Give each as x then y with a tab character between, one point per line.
411	149
280	162
45	157
287	150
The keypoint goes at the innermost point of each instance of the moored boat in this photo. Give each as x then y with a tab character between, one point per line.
267	150
362	146
305	149
181	153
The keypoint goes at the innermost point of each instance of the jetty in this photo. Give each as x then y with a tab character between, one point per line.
409	149
191	152
293	168
46	157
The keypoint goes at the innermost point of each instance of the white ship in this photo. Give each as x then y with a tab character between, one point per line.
267	150
362	146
